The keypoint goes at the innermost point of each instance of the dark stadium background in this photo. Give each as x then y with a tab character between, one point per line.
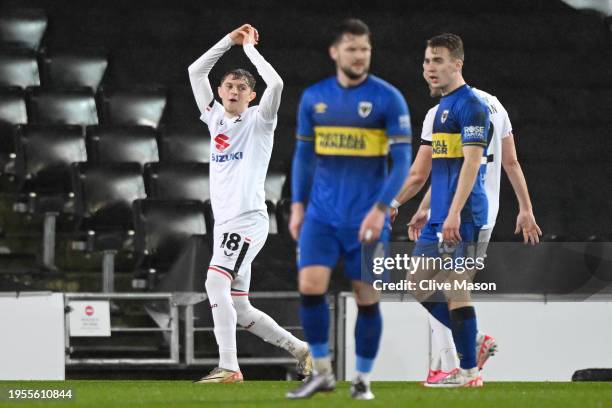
549	65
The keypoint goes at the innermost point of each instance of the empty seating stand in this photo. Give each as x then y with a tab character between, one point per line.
44	155
62	107
184	145
19	67
163	230
72	69
141	107
180	181
23	28
13	113
275	181
107	144
104	193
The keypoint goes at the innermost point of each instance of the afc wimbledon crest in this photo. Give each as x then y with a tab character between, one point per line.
444	116
364	108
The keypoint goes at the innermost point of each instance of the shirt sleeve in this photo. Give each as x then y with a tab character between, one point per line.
305	126
198	75
428	122
271	98
397	119
474	121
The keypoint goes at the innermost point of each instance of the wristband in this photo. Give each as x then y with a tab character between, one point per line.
395	204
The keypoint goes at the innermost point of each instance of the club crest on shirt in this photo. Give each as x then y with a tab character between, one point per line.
444	116
364	108
320	107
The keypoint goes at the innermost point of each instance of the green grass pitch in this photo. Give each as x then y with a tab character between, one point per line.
111	394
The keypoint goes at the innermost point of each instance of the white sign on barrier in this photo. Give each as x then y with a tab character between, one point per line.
89	318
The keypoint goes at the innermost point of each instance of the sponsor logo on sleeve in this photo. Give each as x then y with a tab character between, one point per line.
474	133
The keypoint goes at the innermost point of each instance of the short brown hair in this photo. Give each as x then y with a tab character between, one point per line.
240	73
352	26
451	42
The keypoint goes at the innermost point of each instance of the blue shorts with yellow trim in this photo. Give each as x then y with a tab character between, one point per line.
324	244
430	242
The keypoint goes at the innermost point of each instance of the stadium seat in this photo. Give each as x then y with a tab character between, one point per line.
42	169
275	181
18	68
72	69
177	181
62	107
44	155
180	181
162	229
176	145
104	194
13	113
23	28
106	144
141	107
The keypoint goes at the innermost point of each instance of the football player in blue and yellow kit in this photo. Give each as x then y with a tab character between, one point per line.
348	126
459	207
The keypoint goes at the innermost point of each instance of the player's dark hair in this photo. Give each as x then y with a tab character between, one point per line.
451	42
240	73
352	26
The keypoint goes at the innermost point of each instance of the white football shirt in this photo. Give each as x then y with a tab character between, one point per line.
500	121
240	153
240	146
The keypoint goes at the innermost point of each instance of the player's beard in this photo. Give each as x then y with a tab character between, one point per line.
352	74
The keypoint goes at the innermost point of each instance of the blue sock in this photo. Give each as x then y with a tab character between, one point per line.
368	331
464	334
314	314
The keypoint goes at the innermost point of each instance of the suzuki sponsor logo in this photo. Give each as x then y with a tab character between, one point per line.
221	158
221	142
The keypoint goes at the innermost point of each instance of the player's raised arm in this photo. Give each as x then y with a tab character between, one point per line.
270	100
200	68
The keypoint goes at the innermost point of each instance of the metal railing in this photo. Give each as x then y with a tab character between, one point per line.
172	329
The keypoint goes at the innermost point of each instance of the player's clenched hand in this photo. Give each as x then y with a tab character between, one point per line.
450	228
393	213
296	220
239	34
526	223
372	225
417	223
251	36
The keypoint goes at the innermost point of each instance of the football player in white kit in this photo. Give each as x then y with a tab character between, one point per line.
501	152
241	145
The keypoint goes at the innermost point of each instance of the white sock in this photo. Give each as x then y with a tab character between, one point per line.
322	365
434	362
365	377
443	339
218	288
263	326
